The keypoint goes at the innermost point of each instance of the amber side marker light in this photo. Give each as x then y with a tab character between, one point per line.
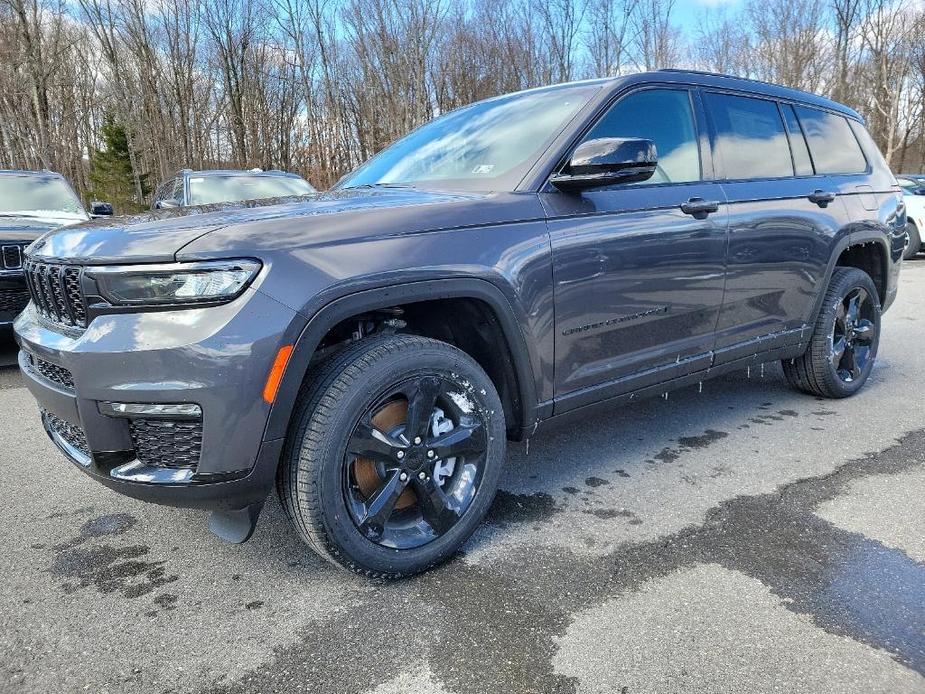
276	373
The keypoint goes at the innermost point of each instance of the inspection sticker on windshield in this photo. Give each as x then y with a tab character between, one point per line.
483	169
197	179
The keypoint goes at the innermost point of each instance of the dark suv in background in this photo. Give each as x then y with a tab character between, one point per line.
369	350
31	203
189	187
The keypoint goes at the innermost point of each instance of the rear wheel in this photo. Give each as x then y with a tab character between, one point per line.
844	344
394	455
915	241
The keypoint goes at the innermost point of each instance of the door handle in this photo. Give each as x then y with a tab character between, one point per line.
698	208
821	197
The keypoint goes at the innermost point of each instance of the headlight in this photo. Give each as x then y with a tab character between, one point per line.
174	283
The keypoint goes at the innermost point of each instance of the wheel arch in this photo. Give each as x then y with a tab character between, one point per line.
873	245
340	309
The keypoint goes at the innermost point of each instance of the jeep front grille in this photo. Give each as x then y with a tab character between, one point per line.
56	293
13	300
167	443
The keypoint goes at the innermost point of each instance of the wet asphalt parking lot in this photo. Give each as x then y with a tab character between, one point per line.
745	538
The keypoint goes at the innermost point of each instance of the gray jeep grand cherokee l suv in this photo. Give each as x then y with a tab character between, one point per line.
370	349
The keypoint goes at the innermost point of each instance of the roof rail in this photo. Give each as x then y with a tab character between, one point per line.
707	73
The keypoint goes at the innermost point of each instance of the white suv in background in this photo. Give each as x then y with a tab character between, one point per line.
915	213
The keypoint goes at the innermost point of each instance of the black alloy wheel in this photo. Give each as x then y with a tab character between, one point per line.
393	455
854	334
843	346
415	462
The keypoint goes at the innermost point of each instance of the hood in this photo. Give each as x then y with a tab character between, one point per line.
16	229
249	227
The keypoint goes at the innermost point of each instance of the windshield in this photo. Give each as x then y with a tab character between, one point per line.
38	196
204	190
489	145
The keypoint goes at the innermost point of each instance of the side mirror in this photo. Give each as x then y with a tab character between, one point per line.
100	209
607	161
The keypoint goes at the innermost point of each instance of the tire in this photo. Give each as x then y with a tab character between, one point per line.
820	370
338	499
915	241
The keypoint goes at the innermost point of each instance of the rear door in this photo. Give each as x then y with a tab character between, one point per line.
783	220
638	281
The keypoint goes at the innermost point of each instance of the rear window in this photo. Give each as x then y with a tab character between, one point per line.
750	137
832	144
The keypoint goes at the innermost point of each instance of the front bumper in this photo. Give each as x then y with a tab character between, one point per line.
217	358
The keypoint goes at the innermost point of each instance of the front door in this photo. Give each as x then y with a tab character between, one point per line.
638	271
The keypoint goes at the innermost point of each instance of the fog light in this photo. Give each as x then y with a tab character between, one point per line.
137	409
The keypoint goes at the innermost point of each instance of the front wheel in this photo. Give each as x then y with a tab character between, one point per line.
844	344
394	455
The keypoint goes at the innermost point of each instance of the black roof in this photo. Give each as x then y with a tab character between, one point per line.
719	80
715	79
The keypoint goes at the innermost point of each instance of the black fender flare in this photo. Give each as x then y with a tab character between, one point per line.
342	308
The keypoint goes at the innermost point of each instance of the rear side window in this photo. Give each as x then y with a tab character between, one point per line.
834	147
750	138
801	161
664	116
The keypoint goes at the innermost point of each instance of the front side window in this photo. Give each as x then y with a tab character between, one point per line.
665	117
38	196
750	138
834	147
205	190
488	146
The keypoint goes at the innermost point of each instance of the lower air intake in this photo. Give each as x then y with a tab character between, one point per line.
167	443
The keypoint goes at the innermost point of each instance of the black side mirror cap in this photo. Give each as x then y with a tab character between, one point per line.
101	209
608	161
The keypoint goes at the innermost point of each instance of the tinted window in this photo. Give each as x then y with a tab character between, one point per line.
868	146
750	137
834	147
665	117
801	161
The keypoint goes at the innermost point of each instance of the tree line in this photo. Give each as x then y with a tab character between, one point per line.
119	94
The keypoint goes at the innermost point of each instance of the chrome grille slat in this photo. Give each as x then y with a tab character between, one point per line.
55	289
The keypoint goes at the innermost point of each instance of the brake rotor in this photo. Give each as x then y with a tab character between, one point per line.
365	471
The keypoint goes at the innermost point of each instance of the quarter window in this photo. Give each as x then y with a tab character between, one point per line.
750	138
664	116
833	145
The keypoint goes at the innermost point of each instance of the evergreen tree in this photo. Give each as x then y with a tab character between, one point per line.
111	177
